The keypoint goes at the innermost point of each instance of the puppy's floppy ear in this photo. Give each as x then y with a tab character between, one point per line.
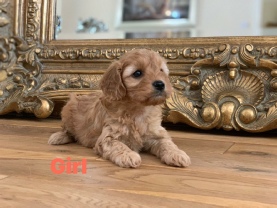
111	83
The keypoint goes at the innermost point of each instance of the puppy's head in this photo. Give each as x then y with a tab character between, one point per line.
140	75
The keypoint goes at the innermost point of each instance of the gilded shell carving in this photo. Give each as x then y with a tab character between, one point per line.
246	88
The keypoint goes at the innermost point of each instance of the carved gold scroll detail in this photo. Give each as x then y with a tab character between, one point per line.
233	89
4	18
229	87
218	82
20	79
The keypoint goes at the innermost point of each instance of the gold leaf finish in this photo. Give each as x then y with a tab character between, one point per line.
246	88
239	84
228	83
21	79
179	109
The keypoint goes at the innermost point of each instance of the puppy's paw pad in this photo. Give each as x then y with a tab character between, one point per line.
178	158
128	160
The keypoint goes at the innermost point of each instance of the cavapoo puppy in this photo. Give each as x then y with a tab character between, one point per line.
126	116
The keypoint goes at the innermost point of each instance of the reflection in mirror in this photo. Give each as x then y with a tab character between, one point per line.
118	19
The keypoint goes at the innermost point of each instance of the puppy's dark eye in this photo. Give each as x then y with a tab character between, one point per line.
137	73
162	70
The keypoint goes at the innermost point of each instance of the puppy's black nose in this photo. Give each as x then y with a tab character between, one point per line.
158	85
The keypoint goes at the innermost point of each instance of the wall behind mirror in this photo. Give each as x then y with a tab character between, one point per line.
94	19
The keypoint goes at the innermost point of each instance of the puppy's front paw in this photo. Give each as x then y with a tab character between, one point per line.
128	160
176	158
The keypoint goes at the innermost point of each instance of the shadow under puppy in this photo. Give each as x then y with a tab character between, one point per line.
126	116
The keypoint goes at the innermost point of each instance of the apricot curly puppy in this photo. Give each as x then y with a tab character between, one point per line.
126	116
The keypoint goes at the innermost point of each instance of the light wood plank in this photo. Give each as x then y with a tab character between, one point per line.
225	172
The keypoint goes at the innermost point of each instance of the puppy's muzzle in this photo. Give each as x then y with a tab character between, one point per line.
158	85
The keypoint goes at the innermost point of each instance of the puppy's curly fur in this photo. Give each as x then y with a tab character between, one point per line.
126	116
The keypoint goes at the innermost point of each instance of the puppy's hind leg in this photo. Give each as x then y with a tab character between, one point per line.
60	137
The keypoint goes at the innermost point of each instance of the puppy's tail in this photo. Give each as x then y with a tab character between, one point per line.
60	137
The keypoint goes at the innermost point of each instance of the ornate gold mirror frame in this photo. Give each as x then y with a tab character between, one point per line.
228	83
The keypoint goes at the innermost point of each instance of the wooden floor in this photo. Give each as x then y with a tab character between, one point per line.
228	170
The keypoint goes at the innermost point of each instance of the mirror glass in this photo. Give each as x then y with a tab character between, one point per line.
119	19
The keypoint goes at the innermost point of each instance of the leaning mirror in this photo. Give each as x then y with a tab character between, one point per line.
219	82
